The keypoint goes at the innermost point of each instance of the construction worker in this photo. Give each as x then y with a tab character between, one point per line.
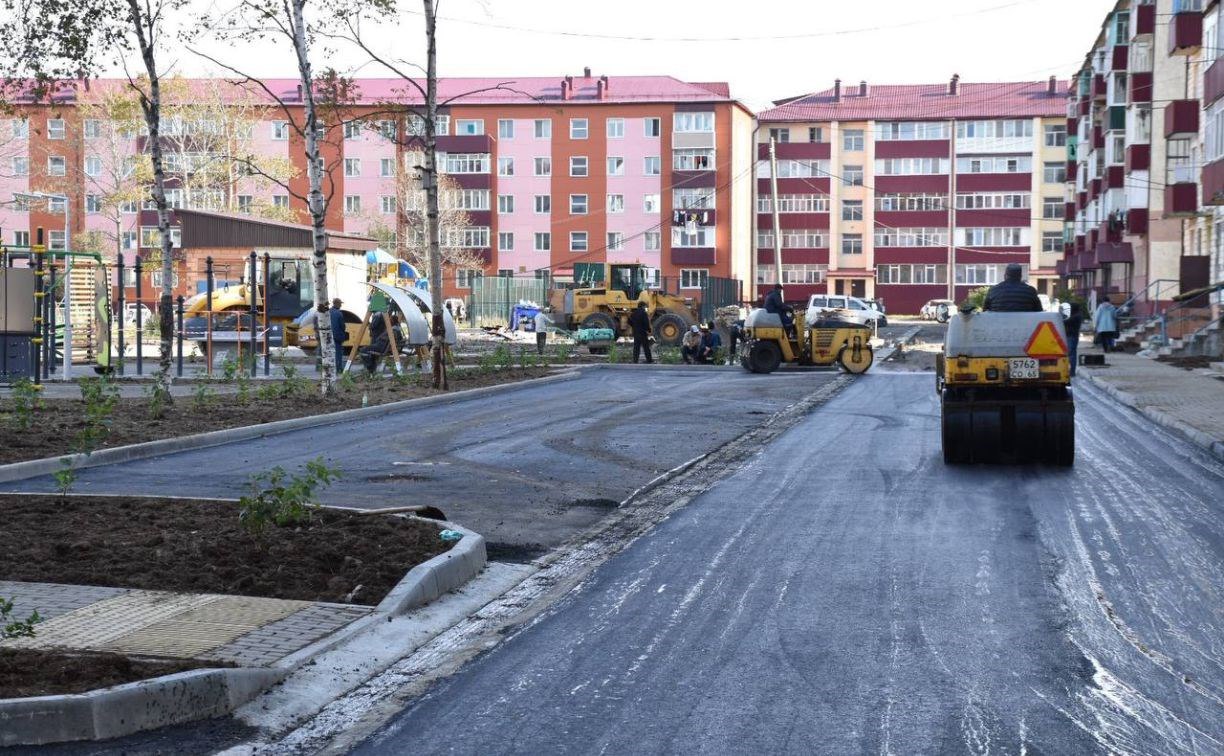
542	322
778	306
1012	294
639	321
339	332
690	345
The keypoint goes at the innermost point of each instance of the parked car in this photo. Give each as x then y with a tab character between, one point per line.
930	310
129	314
854	308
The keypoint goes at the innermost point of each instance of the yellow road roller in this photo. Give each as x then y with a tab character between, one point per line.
1004	379
822	343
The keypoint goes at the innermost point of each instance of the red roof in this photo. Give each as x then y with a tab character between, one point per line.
508	90
925	102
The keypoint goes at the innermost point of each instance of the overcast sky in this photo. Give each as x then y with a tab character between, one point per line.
882	41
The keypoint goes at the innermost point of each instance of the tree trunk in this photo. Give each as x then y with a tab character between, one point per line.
314	201
431	198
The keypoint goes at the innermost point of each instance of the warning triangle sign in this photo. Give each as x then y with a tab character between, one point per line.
1046	343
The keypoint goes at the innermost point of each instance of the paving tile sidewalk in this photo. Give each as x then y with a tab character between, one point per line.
1186	400
244	630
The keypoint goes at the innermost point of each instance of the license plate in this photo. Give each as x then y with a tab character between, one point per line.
1023	369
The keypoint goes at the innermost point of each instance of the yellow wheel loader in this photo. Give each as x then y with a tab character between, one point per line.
608	304
1004	380
821	343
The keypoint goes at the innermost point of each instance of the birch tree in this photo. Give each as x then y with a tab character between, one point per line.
50	43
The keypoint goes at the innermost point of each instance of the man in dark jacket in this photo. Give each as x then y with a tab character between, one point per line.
1073	324
1011	294
778	306
339	333
639	321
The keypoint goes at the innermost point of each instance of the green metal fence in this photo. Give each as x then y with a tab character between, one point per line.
493	297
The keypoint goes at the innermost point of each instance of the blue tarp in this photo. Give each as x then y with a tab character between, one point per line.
523	314
407	271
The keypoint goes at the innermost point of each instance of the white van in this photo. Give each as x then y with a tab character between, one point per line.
854	308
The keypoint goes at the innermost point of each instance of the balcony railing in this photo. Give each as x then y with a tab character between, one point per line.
1186	27
1182	173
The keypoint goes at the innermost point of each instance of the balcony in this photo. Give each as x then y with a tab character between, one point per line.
1117	118
1213	183
1186	27
1141	87
1069	212
1072	170
1144	19
1181	118
1181	189
1120	59
1213	82
1099	87
1115	177
1138	157
1137	221
1098	137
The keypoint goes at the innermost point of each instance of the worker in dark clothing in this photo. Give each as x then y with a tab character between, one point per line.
1012	294
776	305
339	332
639	321
1072	324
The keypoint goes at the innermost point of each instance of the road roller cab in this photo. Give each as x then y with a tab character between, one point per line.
822	343
1005	383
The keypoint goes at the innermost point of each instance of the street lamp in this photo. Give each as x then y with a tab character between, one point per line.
67	272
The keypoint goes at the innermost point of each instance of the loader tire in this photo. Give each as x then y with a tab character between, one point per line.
669	328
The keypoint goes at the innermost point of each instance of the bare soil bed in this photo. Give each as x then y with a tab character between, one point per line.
59	421
200	547
27	672
1194	362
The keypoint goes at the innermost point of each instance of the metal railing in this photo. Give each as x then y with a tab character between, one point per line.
1145	304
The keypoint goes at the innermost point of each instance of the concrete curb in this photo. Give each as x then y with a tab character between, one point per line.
206	693
1212	445
36	467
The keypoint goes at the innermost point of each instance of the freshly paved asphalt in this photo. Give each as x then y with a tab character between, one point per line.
527	468
845	592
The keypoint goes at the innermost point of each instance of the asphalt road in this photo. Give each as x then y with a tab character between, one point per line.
845	592
527	468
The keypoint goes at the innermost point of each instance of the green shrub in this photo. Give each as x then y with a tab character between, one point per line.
65	477
976	298
101	396
15	628
280	499
27	401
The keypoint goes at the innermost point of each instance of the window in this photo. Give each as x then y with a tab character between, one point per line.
465	277
127	240
543	203
352	204
653	241
852	244
56	205
505	241
578	128
696	236
93	166
386	167
652	166
616	128
56	166
815	134
796	203
55	240
693	199
387	204
911	130
687	123
469	126
652	127
352	129
616	166
912	274
21	130
467	199
694	278
993	201
505	166
1011	129
616	241
280	200
543	166
578	204
1053	208
995	164
543	128
505	128
1052	241
1054	173
20	166
616	203
983	274
246	203
795	168
578	241
992	237
56	128
911	237
852	175
130	206
780	135
150	237
93	203
693	159
280	130
505	204
543	241
804	274
93	128
505	273
388	130
470	237
1055	135
651	204
352	166
578	166
795	238
852	140
460	162
852	210
910	202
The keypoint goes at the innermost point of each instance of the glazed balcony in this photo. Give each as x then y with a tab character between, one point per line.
1181	189
1181	118
1186	27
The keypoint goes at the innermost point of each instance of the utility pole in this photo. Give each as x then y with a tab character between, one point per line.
952	212
773	206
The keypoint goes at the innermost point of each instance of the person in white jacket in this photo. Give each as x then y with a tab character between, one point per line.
542	324
1105	321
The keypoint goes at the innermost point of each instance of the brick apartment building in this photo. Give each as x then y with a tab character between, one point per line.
553	174
911	193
